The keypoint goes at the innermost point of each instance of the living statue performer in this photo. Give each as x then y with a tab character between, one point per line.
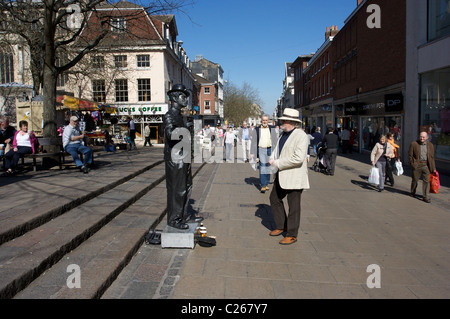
178	166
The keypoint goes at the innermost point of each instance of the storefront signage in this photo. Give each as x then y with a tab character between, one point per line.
394	102
143	110
352	108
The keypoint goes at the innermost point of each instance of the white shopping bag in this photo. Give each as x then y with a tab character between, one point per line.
374	176
398	168
253	164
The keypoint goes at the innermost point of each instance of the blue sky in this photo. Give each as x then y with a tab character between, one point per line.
253	39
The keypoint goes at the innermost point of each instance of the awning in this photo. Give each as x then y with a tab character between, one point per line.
76	104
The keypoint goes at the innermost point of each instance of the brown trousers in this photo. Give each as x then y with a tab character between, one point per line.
423	172
291	221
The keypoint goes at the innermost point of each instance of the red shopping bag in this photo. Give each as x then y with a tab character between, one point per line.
434	183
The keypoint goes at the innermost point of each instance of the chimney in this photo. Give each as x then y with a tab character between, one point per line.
328	33
334	31
331	32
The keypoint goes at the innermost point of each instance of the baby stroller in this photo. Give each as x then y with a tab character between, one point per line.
320	165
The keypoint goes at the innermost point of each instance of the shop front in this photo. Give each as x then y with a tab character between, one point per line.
370	121
435	112
319	115
153	115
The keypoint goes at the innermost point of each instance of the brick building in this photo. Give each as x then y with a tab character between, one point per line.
210	77
369	64
316	100
208	99
356	78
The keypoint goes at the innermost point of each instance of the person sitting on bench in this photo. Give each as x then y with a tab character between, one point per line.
25	142
73	143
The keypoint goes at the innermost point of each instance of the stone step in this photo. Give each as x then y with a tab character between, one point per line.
25	258
102	256
35	209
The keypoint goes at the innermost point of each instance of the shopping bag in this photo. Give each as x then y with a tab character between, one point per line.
374	176
398	168
434	183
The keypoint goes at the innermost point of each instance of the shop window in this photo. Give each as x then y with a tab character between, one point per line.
435	110
374	127
438	18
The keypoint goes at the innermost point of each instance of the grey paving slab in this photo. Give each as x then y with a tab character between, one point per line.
345	227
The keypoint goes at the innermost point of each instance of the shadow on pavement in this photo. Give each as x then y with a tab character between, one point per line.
265	213
253	181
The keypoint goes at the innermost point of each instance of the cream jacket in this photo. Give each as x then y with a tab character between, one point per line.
378	150
292	162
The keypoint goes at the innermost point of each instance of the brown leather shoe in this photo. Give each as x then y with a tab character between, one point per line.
288	240
277	232
427	200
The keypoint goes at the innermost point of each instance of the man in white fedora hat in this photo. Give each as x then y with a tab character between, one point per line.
290	159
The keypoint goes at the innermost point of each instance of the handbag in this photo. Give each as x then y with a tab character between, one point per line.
398	168
374	176
434	183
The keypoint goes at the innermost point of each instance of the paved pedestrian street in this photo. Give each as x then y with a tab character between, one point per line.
354	242
345	227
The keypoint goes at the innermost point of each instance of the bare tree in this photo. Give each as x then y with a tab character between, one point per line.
55	28
239	102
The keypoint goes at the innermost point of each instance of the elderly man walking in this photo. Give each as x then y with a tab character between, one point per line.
290	158
421	159
264	140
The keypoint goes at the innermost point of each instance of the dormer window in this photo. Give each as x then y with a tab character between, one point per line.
118	25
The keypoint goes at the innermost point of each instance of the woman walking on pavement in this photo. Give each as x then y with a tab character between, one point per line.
390	162
380	153
228	142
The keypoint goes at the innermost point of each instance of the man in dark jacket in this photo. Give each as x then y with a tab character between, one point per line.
421	159
317	139
330	141
6	135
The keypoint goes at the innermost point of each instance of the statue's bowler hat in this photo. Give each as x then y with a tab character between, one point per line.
179	88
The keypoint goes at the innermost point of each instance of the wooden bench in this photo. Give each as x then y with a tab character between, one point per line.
58	155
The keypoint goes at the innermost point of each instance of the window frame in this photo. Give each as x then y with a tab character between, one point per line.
144	94
121	90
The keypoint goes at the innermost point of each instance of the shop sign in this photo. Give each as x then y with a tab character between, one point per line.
351	109
394	102
143	110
